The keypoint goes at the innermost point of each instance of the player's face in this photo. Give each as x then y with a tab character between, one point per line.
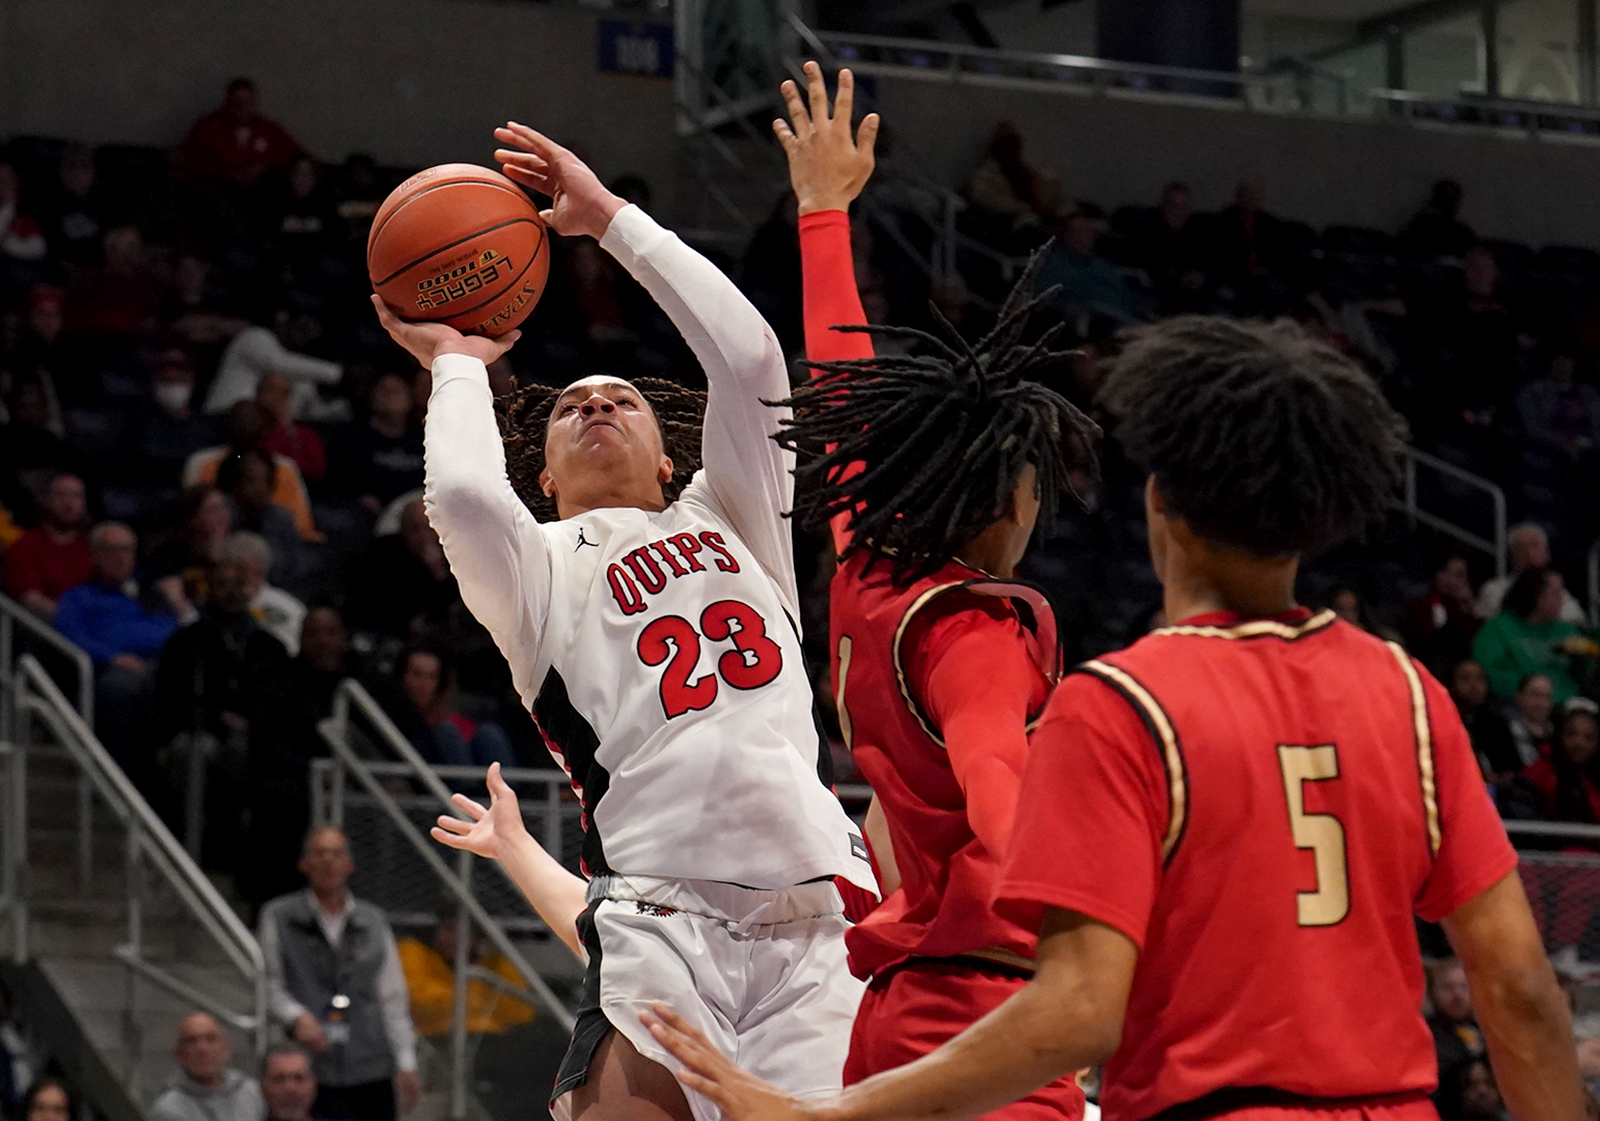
602	440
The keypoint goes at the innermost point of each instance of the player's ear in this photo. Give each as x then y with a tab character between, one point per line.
664	470
547	483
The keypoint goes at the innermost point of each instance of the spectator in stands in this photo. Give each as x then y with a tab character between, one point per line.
76	215
381	458
171	430
187	556
1246	251
38	353
1530	548
1018	202
257	351
235	146
1169	247
194	311
1479	347
1456	1036
210	677
283	741
1091	286
249	479
1437	230
32	451
276	611
430	969
1529	636
1586	1033
288	438
304	223
48	1100
22	242
120	299
1565	786
122	631
405	579
358	193
1528	718
1467	1092
1559	416
1491	737
288	1085
205	1088
452	740
249	426
1439	625
48	560
334	978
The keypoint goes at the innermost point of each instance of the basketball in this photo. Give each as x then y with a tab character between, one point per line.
462	245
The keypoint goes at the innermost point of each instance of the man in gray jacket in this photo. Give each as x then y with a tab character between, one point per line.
204	1088
334	980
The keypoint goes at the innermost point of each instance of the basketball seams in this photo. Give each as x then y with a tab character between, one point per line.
454	244
478	175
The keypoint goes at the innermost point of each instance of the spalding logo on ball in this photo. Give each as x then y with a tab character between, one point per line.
462	245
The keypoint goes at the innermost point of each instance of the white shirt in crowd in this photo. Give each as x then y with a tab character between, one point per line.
1492	596
256	352
668	641
280	615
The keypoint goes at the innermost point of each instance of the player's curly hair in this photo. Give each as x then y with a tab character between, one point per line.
524	416
924	452
1260	437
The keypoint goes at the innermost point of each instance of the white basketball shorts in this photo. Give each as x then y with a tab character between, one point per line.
761	973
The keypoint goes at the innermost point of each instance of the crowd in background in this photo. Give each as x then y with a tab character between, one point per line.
211	457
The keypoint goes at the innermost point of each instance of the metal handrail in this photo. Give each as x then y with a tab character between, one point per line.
1567	109
1496	548
11	613
1554	829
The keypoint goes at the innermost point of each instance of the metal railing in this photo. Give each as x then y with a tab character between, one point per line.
1495	547
1539	119
1560	867
33	703
389	789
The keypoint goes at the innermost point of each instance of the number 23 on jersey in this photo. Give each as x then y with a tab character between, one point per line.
754	661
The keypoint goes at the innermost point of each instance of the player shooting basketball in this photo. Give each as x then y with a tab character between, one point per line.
650	632
932	471
1224	832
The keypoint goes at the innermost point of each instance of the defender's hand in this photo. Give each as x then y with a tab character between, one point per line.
739	1095
489	832
426	341
827	166
579	202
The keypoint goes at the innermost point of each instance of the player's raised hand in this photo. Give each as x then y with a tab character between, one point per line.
426	341
828	164
487	832
579	202
740	1096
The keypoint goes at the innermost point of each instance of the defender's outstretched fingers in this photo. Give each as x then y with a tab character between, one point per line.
799	118
785	135
817	90
845	98
867	134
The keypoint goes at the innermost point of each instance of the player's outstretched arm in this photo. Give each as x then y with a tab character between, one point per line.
747	473
497	833
828	167
1067	1018
490	537
1520	1007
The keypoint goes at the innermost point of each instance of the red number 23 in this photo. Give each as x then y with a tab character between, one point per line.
753	662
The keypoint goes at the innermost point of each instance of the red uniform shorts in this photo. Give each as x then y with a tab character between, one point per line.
910	1009
1420	1110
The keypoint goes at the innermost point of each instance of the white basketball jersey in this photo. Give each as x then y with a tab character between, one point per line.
659	651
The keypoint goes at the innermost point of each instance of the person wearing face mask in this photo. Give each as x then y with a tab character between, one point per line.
170	428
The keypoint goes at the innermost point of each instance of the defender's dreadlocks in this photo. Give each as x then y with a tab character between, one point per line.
940	438
1260	437
524	416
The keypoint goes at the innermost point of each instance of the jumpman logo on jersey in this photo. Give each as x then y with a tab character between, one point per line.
582	541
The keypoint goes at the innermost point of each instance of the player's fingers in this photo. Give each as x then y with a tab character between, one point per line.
705	1088
867	134
798	117
498	787
454	825
549	217
817	91
844	98
472	809
535	141
526	174
522	159
785	135
444	838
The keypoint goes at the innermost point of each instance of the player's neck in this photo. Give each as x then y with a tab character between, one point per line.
1212	581
649	500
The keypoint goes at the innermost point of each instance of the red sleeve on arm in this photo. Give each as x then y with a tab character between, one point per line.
1090	815
828	279
971	671
1474	852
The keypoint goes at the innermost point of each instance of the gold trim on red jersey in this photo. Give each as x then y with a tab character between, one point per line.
1155	718
1257	628
1423	728
1044	629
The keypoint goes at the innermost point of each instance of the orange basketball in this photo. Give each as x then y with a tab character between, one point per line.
462	245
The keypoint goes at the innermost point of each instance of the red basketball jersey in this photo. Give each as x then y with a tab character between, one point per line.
1262	806
882	634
